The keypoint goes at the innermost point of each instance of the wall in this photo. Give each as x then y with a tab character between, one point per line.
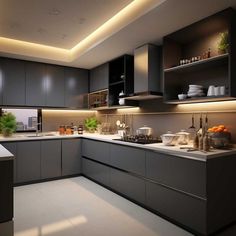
163	117
52	119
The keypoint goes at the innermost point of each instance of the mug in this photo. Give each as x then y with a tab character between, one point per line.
222	90
217	91
211	90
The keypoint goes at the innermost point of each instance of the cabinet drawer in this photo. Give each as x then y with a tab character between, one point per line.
182	208
96	171
128	158
96	150
128	185
180	173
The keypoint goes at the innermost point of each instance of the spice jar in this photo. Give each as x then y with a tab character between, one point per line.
68	130
62	129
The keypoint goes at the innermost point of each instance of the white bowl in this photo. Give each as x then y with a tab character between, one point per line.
182	96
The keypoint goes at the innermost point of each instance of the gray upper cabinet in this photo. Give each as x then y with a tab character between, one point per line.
55	86
28	161
128	158
50	159
76	87
71	157
96	150
180	173
13	82
99	77
35	84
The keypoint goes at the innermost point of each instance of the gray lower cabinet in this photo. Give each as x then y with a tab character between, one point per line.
71	156
96	171
180	173
95	150
50	159
12	147
184	209
128	185
28	161
99	77
128	158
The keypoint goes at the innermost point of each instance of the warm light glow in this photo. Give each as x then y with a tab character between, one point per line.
127	15
68	111
208	106
129	110
53	228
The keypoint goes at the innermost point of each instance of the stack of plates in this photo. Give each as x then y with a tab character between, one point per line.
195	91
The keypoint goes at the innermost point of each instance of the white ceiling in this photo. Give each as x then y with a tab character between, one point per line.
57	23
61	24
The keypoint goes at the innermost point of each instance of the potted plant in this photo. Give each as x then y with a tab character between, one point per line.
7	124
223	44
91	124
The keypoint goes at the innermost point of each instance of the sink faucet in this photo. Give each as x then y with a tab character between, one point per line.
38	130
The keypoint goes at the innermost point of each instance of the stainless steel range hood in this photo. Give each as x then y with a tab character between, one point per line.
147	73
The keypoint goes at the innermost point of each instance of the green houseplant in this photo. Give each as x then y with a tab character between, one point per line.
7	124
223	44
91	124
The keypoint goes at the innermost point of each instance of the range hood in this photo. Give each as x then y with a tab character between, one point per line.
147	73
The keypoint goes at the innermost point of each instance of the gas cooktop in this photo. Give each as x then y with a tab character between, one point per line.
140	139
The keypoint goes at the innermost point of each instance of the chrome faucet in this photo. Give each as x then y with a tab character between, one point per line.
38	130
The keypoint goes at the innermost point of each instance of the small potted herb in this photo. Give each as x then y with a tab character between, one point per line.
7	124
223	45
91	124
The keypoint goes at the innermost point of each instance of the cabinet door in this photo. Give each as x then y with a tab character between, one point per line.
180	173
76	87
96	171
177	206
6	190
35	84
55	86
128	158
28	161
128	185
95	150
11	147
1	80
71	157
13	82
50	159
99	78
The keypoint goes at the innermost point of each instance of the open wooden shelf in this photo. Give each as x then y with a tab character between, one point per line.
200	99
199	65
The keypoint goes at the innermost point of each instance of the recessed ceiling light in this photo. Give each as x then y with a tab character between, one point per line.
81	20
54	12
41	30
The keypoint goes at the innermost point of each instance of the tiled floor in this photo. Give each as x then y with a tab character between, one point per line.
79	207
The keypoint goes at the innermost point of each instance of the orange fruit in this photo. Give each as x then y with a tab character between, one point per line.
225	130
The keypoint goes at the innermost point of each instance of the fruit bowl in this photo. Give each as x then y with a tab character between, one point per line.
219	137
220	140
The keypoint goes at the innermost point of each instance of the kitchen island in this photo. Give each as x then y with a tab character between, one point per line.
6	185
194	190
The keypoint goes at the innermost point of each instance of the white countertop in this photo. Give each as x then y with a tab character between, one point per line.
5	154
158	147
